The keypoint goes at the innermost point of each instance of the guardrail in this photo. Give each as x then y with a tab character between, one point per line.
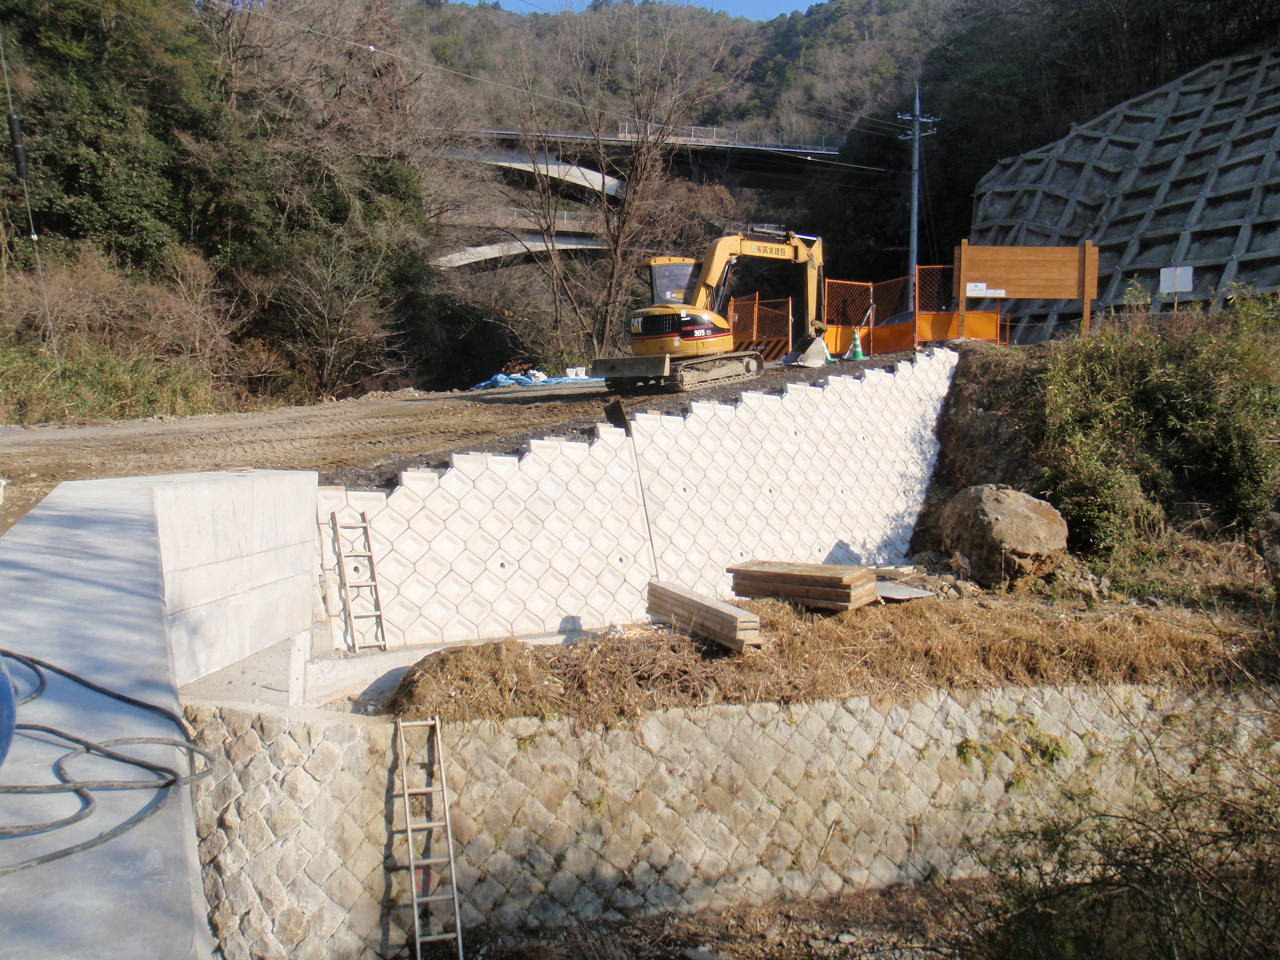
731	137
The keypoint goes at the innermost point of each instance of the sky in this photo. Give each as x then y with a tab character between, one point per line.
755	9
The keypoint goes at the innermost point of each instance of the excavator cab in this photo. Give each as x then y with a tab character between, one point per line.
672	280
673	325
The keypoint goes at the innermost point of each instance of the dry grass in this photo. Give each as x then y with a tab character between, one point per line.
891	649
1216	574
874	923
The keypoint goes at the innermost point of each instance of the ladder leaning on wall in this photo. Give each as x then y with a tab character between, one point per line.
428	837
358	580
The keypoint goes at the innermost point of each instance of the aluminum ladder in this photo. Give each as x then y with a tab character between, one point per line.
357	572
424	805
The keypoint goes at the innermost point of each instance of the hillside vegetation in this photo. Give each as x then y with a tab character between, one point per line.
239	204
1006	76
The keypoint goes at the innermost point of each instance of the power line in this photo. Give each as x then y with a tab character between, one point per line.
527	3
878	126
20	161
833	163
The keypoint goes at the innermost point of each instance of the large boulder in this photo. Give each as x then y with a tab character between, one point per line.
1002	533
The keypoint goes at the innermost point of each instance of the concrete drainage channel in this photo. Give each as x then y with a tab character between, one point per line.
266	591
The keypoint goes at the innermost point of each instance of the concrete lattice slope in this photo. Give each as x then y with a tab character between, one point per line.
1183	175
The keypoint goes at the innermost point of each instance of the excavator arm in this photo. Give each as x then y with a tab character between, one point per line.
789	247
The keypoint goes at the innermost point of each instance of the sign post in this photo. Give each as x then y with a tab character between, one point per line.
1176	280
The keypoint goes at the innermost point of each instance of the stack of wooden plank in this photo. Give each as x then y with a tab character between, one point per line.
724	623
826	586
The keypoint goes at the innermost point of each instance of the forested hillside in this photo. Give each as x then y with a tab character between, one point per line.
239	204
800	74
1006	76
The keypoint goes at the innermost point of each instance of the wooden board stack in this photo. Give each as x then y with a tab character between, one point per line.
724	623
826	586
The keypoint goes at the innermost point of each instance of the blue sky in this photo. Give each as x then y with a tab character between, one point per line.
755	9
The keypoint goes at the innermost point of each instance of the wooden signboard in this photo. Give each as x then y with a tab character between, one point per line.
1033	273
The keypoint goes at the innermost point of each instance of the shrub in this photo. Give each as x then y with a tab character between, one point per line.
1150	420
108	346
1188	867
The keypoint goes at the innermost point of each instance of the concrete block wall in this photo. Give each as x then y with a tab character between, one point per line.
499	546
567	535
835	473
293	833
690	808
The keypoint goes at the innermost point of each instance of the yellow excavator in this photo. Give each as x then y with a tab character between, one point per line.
683	339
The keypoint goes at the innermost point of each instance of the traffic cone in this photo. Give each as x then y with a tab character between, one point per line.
857	353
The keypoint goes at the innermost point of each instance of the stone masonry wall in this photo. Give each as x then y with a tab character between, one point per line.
292	830
688	809
567	535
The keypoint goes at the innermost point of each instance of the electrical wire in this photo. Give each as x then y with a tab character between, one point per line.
832	163
35	237
930	227
163	779
527	3
877	126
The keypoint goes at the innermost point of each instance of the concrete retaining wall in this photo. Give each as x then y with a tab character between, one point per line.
138	584
691	808
238	553
567	536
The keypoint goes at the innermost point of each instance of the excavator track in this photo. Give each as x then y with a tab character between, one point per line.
693	374
717	369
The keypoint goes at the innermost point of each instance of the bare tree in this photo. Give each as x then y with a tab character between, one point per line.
335	302
354	132
629	78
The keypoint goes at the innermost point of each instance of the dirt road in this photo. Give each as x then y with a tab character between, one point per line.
362	433
362	442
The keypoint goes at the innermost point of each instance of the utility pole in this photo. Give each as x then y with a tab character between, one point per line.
914	136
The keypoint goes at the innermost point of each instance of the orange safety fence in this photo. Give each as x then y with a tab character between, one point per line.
933	289
761	325
891	326
938	318
848	314
882	316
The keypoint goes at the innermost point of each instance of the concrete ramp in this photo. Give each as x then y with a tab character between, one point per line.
95	580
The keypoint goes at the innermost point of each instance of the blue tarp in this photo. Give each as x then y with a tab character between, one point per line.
522	380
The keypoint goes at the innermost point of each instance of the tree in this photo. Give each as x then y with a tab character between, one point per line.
629	74
105	86
319	200
334	299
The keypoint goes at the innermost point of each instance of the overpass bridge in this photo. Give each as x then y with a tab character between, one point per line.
690	137
704	154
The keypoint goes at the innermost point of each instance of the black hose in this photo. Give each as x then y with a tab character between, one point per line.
164	777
